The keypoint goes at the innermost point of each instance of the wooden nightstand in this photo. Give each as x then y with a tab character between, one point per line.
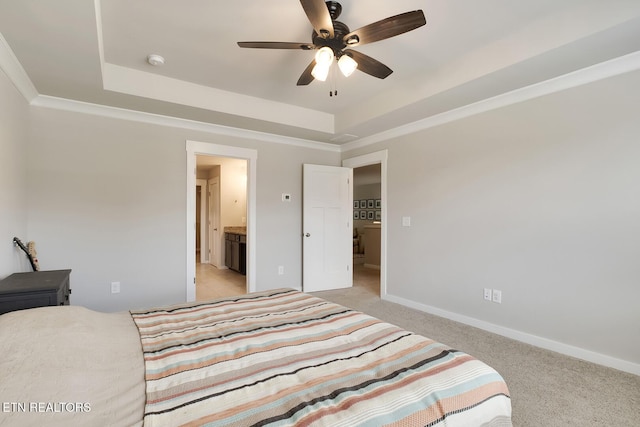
34	289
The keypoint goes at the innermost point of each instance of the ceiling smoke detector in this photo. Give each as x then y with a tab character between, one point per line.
155	60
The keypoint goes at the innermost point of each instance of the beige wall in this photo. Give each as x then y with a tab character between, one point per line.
107	198
14	136
233	192
540	200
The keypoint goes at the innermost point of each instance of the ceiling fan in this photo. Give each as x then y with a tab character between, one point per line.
332	40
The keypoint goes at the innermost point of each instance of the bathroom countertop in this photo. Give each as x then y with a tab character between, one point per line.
236	230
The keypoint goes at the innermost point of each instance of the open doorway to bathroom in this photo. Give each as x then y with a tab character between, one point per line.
221	227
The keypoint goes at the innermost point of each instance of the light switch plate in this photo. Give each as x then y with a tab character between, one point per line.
115	287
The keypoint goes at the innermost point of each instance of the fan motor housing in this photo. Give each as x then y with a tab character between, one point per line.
335	9
336	42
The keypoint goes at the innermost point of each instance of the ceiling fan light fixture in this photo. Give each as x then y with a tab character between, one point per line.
325	56
330	37
347	65
321	71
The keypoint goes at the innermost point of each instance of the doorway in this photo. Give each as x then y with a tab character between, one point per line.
225	206
247	182
370	189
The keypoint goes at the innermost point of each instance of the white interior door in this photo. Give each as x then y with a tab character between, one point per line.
327	215
214	222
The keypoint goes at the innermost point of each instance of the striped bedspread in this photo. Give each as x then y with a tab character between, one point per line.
284	358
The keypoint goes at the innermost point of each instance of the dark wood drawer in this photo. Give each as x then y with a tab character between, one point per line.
35	289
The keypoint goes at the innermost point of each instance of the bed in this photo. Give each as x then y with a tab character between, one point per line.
273	358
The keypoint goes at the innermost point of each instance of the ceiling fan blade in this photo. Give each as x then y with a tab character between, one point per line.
306	76
368	65
277	45
319	16
386	28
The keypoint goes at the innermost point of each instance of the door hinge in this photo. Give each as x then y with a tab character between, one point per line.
194	280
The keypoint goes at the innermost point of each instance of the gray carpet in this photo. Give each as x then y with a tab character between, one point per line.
547	389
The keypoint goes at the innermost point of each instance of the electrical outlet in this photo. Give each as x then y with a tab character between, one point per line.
487	294
497	296
281	270
115	287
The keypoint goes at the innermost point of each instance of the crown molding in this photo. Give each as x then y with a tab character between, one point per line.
603	70
10	65
14	71
46	101
617	66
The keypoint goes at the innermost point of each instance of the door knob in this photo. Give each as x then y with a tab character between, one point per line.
307	235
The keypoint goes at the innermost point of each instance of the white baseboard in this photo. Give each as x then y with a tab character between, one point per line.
568	350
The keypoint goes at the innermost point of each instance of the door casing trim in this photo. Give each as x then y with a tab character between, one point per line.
195	148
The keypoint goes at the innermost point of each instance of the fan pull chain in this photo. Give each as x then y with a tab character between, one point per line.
333	91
